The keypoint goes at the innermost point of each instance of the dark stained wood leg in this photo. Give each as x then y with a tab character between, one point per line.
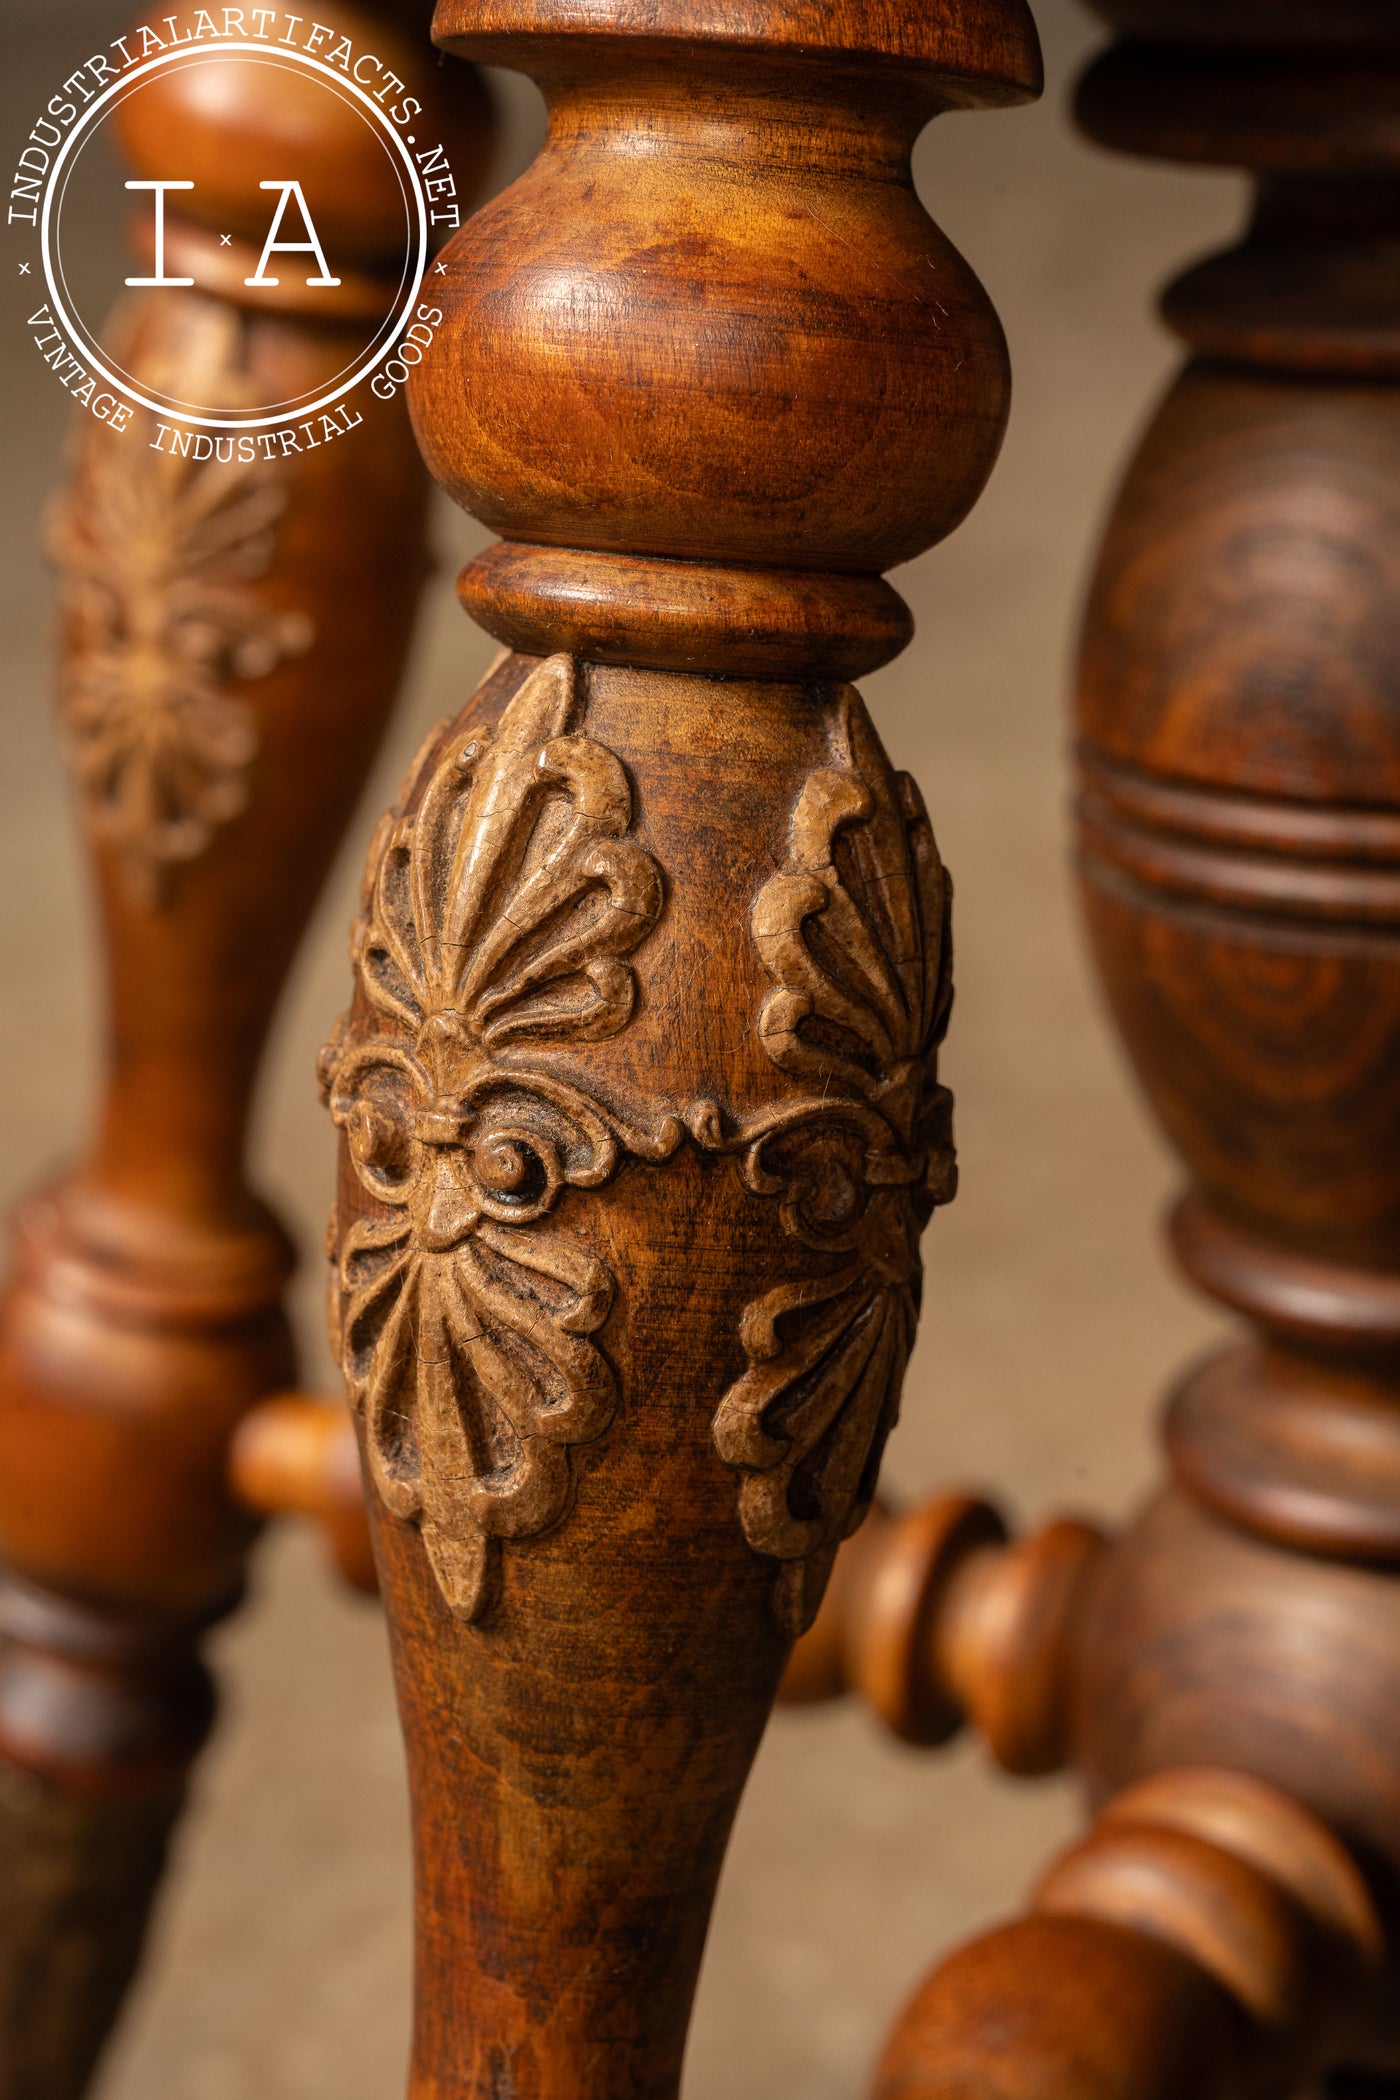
79	1868
233	634
76	1886
638	1085
1239	725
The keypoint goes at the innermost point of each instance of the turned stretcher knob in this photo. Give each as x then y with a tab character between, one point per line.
295	1455
935	1617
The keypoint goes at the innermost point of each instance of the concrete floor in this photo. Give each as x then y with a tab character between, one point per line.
280	1967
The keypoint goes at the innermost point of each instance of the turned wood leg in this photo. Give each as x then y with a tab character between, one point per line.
233	633
1208	1937
1239	725
935	1618
638	1094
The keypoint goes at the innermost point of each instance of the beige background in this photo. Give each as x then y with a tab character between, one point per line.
280	1966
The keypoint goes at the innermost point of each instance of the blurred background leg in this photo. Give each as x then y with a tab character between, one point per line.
1239	724
233	634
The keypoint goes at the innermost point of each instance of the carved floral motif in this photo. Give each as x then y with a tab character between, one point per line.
496	919
498	916
155	554
853	933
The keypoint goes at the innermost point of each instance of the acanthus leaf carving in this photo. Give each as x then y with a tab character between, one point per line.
853	933
156	551
498	917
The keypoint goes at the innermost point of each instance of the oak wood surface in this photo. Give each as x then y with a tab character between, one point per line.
1237	718
638	1086
232	634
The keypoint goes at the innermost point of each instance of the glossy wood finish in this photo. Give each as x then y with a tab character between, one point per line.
934	1618
1240	718
638	1083
1239	723
1208	1936
232	638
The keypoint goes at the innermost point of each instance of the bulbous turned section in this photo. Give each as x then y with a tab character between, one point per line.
1202	1641
785	389
713	325
1294	1448
1252	556
638	1090
1209	1935
935	1619
1065	2009
1240	834
1239	716
235	616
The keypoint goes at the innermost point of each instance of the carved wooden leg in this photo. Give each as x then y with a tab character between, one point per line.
233	635
637	1088
1239	719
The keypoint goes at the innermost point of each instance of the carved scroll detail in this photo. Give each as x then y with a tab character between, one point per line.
496	917
155	554
853	933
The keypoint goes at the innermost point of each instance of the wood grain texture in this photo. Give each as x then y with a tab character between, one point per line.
638	1088
232	636
1229	1674
1061	2008
1208	1935
581	1224
1240	727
